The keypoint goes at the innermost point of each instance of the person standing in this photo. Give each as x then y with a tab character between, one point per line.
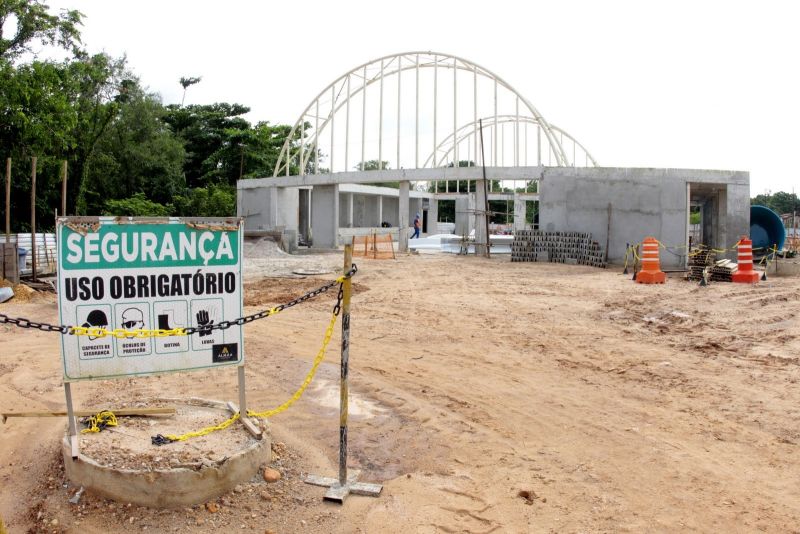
417	227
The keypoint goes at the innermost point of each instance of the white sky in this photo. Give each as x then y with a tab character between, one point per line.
691	84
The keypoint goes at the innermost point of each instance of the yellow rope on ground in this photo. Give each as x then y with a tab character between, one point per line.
203	431
99	422
307	381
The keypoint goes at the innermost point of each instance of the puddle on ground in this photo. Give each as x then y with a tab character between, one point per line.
326	394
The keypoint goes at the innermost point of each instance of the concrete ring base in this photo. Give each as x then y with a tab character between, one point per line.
167	488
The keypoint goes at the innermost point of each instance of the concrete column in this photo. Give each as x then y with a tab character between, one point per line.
379	201
304	217
403	217
738	212
520	205
481	218
725	240
433	217
465	205
350	210
272	208
325	216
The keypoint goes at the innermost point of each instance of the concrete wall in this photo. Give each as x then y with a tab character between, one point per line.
325	216
643	202
269	208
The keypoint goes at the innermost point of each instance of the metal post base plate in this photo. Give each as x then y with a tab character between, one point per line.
338	493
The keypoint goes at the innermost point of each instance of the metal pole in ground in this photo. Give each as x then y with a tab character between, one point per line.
347	289
347	483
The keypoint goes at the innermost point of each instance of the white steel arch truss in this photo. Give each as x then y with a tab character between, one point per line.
319	126
445	149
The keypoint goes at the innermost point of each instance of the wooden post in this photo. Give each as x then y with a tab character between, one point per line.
8	219
608	232
347	287
33	217
8	199
64	188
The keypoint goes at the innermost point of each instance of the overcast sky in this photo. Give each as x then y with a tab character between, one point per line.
687	84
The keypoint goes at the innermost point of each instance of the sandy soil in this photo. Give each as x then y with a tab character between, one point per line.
487	396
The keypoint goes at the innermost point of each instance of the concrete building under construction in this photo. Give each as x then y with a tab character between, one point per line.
457	122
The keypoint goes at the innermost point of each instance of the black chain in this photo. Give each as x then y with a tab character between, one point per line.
27	323
223	325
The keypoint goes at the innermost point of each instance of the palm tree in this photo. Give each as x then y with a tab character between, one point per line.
186	82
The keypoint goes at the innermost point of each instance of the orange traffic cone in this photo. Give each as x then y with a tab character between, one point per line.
651	271
745	273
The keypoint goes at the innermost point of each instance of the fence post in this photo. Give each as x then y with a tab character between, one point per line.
33	218
64	188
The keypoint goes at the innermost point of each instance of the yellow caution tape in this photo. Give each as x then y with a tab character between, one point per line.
269	413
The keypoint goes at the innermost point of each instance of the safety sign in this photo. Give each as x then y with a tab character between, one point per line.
132	276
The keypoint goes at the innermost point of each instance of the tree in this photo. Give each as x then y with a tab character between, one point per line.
137	153
185	83
136	206
211	201
372	165
55	111
204	130
780	202
33	24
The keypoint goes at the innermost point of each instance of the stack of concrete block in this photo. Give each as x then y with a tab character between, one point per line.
574	248
723	270
699	260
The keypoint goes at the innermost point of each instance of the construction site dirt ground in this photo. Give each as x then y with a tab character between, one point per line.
486	396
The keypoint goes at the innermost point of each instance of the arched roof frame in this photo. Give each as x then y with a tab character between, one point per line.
445	148
307	148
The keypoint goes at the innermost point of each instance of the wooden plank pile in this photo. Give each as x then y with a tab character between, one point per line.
723	270
574	248
700	259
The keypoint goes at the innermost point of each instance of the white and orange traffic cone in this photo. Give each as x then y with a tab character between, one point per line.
745	274
651	270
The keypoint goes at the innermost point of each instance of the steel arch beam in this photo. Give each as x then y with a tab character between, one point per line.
468	129
395	64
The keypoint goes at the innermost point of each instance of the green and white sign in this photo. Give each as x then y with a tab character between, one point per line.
148	274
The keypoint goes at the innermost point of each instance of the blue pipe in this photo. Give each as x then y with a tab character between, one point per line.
766	229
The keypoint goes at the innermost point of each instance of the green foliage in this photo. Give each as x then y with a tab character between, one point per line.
694	217
186	83
780	202
126	152
137	152
137	206
211	201
205	130
33	25
372	165
447	211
